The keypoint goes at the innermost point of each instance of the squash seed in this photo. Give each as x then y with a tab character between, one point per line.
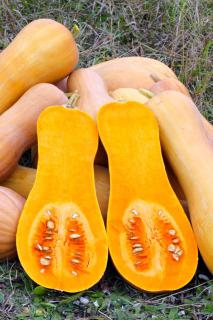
48	238
75	215
160	212
74	273
135	212
75	236
136	250
172	232
137	245
131	221
39	247
50	224
48	257
42	270
46	248
176	240
44	262
171	248
138	262
175	256
75	261
133	238
49	212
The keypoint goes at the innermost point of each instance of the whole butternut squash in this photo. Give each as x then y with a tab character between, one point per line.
150	238
190	154
11	205
175	85
22	179
18	124
43	51
132	72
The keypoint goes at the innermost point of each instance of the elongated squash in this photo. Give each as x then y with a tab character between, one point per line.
132	72
150	238
190	154
22	179
11	205
175	85
18	124
44	51
65	247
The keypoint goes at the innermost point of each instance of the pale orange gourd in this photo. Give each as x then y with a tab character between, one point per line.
22	179
11	205
190	154
62	84
132	72
65	247
43	51
150	238
18	124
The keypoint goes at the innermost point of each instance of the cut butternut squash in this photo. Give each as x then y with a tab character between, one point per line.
150	238
65	246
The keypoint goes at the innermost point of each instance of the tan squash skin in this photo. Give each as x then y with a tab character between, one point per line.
132	72
43	51
190	154
22	179
18	124
11	204
173	84
62	84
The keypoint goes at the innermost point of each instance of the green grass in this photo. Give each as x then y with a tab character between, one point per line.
178	33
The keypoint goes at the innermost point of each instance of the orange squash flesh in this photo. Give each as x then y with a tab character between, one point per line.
23	178
150	238
65	247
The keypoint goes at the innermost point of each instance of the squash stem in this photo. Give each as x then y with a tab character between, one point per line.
72	99
146	93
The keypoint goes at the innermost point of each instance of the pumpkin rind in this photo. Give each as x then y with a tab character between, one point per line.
66	233
43	51
150	238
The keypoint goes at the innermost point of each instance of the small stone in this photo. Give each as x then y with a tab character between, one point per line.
84	300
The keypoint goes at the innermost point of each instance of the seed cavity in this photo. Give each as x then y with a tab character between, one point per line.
50	224
76	261
172	232
75	236
171	248
136	250
75	215
74	273
44	262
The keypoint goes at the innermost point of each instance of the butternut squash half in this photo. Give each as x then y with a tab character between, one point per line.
65	245
150	238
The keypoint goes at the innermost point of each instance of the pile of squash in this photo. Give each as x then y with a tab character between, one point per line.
101	181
